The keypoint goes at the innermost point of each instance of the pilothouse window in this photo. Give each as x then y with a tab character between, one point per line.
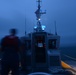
40	41
52	43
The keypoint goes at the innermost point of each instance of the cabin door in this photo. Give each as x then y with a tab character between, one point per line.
40	54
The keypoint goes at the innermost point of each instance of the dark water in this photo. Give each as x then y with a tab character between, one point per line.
69	51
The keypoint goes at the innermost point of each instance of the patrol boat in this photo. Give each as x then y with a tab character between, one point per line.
40	50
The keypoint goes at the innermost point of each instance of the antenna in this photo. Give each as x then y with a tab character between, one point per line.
25	26
55	28
38	13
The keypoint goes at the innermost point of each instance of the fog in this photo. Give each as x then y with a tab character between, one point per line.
20	14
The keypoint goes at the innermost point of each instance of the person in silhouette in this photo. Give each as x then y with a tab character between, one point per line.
10	47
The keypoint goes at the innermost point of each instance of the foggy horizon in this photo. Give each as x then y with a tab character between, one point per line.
20	15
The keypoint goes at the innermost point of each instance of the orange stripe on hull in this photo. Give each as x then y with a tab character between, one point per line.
65	65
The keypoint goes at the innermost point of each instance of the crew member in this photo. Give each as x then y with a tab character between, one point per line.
10	60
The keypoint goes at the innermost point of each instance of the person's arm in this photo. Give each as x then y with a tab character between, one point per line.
2	44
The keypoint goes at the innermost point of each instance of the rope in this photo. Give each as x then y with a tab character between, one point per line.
70	57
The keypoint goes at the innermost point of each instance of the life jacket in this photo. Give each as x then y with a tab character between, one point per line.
11	42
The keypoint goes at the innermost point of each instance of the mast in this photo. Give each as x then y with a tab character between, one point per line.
38	13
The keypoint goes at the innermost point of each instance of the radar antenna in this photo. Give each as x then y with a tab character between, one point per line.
55	28
38	13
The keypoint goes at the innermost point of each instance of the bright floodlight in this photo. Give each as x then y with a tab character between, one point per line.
43	27
35	27
39	19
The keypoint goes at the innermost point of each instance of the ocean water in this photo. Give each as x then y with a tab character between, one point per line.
68	53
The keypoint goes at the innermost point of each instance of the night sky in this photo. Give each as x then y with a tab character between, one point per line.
20	14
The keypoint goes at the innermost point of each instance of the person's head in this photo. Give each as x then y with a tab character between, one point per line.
13	31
